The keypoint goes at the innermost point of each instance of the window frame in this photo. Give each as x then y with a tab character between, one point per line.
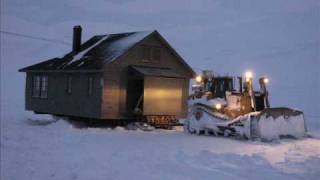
40	85
90	85
44	87
149	53
153	53
146	53
36	86
69	84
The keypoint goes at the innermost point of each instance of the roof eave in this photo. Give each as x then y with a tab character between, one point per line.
63	70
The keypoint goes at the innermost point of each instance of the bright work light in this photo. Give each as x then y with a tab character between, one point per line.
198	79
248	75
218	106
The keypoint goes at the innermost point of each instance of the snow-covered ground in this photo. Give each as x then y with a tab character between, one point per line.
279	39
61	151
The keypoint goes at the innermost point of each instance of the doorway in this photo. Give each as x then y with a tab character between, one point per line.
135	96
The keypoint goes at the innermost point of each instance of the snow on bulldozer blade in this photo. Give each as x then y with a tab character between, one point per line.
267	125
275	123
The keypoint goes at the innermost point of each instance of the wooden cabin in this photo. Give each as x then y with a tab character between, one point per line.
111	76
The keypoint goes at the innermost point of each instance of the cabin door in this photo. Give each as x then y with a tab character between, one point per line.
162	96
135	96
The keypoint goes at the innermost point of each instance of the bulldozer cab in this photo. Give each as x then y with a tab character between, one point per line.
219	86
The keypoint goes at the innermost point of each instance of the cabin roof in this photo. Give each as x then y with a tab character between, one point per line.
94	52
97	51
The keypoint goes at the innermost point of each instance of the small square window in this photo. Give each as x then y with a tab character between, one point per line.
152	53
146	54
156	54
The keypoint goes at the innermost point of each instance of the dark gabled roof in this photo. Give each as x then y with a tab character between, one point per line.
94	52
97	51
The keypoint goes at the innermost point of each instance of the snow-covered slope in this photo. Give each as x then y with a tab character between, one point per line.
279	39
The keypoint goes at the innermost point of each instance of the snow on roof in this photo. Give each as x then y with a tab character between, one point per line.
97	51
84	52
111	46
122	45
94	52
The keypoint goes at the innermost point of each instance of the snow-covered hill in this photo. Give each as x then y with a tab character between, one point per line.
279	39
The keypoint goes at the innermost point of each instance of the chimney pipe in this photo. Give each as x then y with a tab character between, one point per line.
76	39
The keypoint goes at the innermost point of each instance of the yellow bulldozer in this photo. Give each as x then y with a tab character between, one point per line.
217	107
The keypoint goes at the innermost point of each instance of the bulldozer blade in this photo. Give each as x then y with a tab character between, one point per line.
276	123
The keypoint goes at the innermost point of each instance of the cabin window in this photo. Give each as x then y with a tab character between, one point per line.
156	54
36	86
90	85
151	54
40	86
146	54
44	87
69	84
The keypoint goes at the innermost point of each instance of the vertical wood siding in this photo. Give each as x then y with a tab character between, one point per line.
59	101
115	78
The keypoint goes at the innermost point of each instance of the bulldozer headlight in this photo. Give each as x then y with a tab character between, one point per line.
218	106
198	79
248	76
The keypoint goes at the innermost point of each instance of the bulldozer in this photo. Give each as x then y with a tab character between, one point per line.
217	107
